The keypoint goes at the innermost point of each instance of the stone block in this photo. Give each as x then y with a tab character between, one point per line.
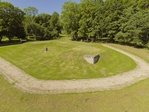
92	59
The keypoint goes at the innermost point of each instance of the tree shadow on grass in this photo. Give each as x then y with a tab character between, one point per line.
8	43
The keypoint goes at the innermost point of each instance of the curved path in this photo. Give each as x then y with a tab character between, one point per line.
30	84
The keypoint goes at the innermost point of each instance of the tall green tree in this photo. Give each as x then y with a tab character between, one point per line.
54	25
30	15
11	21
134	26
70	17
90	15
43	19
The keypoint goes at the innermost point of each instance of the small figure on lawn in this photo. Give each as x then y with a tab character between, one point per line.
46	50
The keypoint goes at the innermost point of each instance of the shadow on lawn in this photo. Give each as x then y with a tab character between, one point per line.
8	43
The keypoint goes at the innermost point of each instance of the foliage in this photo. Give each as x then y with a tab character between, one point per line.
31	11
11	21
70	18
42	26
36	27
17	23
54	25
122	21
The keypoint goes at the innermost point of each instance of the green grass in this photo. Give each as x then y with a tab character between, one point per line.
131	99
142	53
64	60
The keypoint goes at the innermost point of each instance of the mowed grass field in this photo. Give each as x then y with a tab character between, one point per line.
65	60
142	53
130	99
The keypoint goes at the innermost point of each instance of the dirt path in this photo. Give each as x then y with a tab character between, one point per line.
30	84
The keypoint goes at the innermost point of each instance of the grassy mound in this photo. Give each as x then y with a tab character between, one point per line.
64	60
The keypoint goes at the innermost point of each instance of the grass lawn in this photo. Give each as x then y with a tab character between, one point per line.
64	60
142	53
131	99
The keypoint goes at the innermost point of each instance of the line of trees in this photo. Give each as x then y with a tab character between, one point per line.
27	23
41	26
122	21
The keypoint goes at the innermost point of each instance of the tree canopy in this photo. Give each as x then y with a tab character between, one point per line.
31	11
41	26
122	21
27	23
11	21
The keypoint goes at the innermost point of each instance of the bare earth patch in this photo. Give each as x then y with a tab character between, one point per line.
30	84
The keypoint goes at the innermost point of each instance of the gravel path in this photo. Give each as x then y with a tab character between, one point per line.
30	84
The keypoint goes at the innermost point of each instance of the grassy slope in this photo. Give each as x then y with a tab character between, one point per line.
142	53
130	99
64	60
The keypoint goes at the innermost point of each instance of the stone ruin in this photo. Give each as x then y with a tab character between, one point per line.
92	59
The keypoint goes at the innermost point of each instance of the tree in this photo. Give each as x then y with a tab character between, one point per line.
11	21
70	18
43	19
87	16
89	19
29	21
31	11
54	25
43	26
134	27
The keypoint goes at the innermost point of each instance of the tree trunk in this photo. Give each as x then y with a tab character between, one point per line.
0	39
